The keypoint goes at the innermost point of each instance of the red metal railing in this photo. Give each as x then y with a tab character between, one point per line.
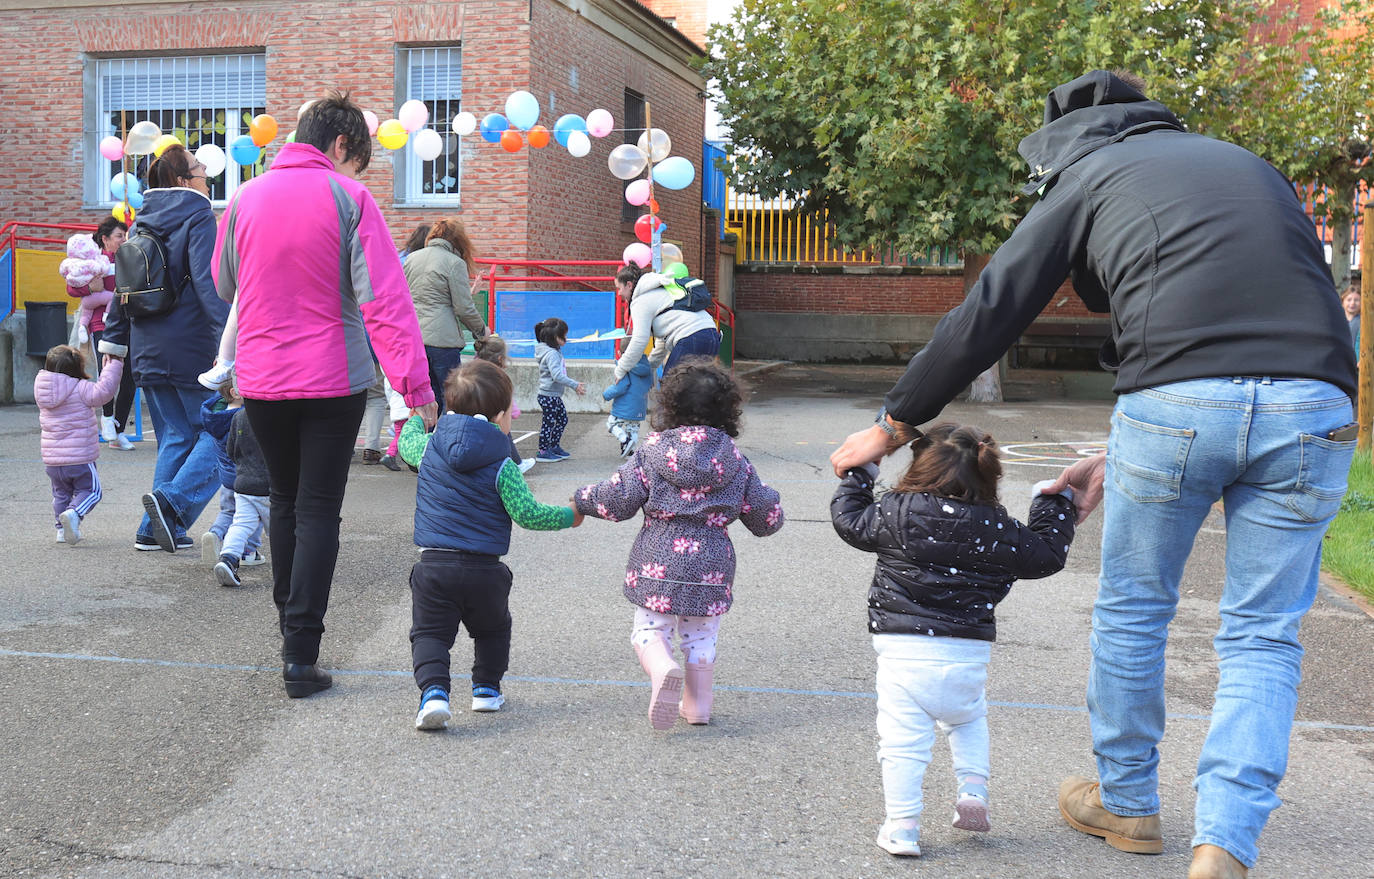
10	239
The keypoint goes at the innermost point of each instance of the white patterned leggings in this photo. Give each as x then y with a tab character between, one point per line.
697	634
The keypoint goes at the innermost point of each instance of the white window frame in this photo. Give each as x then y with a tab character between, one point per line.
430	74
233	83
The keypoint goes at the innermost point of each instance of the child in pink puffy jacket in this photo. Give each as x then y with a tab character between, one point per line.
70	438
84	266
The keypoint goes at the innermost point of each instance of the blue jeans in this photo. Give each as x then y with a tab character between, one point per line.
1260	446
186	473
702	343
442	361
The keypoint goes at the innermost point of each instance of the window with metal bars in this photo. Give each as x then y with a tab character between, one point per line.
434	75
200	99
634	127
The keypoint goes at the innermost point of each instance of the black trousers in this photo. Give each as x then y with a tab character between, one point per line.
448	588
123	403
307	445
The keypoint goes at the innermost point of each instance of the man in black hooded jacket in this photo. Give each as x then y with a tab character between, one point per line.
1234	377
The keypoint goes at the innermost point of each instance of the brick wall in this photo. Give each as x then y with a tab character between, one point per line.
689	16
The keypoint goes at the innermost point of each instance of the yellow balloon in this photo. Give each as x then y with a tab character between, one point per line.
123	213
160	146
392	134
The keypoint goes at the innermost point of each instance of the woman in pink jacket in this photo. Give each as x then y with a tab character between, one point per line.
69	436
308	254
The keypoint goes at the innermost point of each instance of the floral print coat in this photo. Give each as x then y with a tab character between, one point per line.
691	482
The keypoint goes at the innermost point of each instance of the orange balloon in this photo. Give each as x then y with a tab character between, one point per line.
511	141
262	129
539	137
653	205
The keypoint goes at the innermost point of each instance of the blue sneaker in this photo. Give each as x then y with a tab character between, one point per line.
486	698
547	456
560	452
434	711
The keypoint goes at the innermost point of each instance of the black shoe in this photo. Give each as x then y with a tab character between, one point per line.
303	680
372	456
389	462
227	571
161	520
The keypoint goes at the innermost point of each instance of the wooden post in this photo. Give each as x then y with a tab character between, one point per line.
1366	398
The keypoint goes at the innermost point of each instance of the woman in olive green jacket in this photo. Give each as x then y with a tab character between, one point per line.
438	275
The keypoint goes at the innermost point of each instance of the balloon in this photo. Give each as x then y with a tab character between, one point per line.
639	254
392	135
464	124
372	122
162	143
141	138
123	214
511	141
661	144
427	144
645	226
627	161
637	192
522	109
566	125
492	126
300	111
291	138
579	144
112	148
413	115
135	200
670	252
243	150
123	184
653	205
539	137
263	129
600	123
677	271
674	172
212	157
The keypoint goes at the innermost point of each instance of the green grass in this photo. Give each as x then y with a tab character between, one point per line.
1349	548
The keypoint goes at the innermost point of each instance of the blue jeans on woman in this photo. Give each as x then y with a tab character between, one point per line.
1260	445
186	473
442	361
702	343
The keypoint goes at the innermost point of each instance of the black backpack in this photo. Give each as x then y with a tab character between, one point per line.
698	298
142	283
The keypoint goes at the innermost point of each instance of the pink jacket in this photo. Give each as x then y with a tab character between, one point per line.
66	413
309	256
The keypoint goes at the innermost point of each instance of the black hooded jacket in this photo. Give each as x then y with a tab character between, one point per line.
943	564
1199	249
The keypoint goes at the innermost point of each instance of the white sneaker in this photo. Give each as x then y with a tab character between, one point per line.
487	699
107	428
901	837
71	526
525	464
61	538
210	546
123	443
213	377
252	560
434	710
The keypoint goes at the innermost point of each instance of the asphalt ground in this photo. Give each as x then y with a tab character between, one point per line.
147	733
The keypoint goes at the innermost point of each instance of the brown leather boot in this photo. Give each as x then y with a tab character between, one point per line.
1080	802
1214	862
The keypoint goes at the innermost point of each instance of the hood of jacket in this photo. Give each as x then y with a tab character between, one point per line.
52	389
167	210
465	443
1092	111
642	369
650	281
715	461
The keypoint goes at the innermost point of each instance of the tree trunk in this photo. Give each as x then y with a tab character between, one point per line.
1341	243
986	388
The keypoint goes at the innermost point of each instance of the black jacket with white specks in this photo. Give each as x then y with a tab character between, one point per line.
944	564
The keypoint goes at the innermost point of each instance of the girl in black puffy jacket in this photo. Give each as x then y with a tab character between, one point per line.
947	554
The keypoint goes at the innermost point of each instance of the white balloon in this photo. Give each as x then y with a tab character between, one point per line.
142	137
212	157
464	124
662	144
427	144
579	144
627	161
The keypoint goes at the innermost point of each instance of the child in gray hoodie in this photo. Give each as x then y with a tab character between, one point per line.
551	335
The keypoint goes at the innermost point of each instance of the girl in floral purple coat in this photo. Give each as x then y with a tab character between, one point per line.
692	482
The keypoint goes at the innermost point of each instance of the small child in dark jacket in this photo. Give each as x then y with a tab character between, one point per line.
217	416
631	396
252	506
468	493
948	552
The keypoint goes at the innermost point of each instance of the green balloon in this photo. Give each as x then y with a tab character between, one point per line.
291	138
677	270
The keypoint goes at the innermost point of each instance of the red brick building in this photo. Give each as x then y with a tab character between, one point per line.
77	67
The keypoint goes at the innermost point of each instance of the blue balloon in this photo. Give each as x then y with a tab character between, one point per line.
118	182
566	125
493	124
243	150
522	109
674	172
135	200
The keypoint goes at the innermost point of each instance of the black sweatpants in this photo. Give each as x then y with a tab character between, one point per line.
448	588
307	445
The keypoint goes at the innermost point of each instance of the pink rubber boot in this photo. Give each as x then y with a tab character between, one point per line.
666	677
696	692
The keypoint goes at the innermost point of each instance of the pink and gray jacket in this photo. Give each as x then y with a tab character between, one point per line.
691	482
66	413
309	256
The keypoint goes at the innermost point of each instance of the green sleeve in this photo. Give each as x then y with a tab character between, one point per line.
524	510
413	442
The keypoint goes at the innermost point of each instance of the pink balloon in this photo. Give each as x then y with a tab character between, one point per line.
372	121
112	148
639	254
637	192
413	115
600	123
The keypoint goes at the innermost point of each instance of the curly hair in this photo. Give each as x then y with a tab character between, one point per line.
699	391
65	360
106	227
954	461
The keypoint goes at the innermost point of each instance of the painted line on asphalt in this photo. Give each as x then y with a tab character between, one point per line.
576	682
